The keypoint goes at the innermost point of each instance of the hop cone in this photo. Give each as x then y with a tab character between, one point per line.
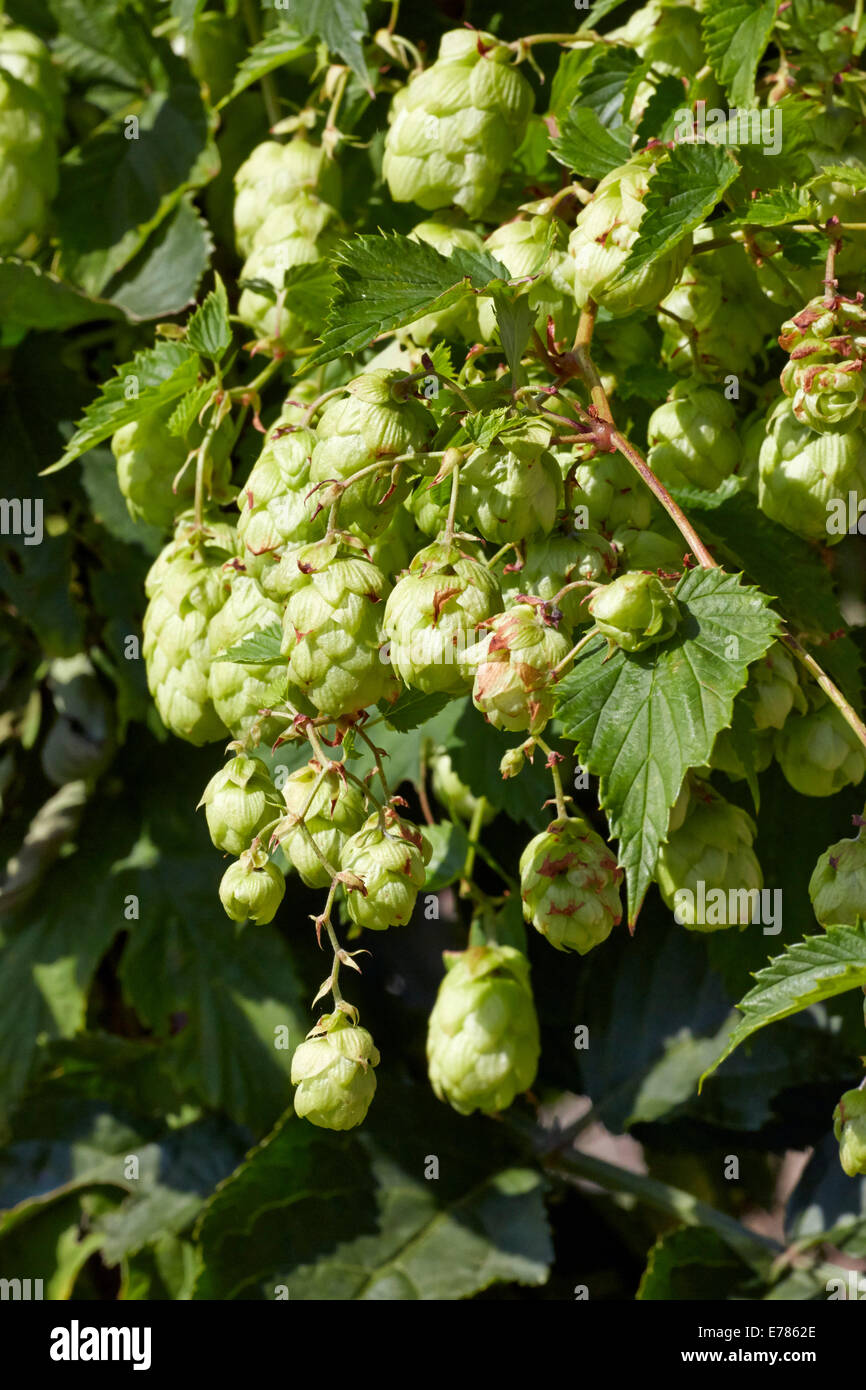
569	883
455	127
275	513
802	473
239	801
388	856
240	690
647	550
555	561
513	668
332	631
693	438
721	320
634	611
838	883
30	119
332	810
482	1039
511	491
713	847
148	459
272	177
432	614
333	1073
606	493
605	232
849	1129
819	753
186	586
299	233
252	888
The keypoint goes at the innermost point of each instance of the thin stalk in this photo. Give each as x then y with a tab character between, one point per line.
567	660
558	789
474	832
378	757
268	86
452	506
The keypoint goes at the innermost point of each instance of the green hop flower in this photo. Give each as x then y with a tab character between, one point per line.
31	114
387	855
332	631
838	883
726	758
512	489
605	232
693	438
648	550
825	394
455	127
773	690
819	753
240	801
333	1073
483	1040
378	419
722	320
634	611
451	791
849	1129
186	585
331	808
149	458
272	177
569	884
432	614
275	512
605	493
555	561
514	665
803	475
524	248
708	873
447	232
252	888
239	690
298	233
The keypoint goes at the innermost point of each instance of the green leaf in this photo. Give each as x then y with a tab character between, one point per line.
514	319
605	88
387	281
209	331
657	121
33	298
586	147
163	278
413	708
810	971
852	174
450	844
682	192
259	649
104	43
640	722
773	209
342	1217
342	25
56	1242
736	34
280	46
691	1263
598	10
311	288
154	378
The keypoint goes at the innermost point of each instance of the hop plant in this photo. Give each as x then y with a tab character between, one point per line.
824	373
240	690
432	614
514	667
647	550
149	458
512	490
272	176
721	320
483	1039
333	1073
849	1129
693	438
605	493
455	127
240	801
329	808
31	114
634	611
186	587
376	420
252	888
275	513
569	884
298	233
537	247
387	855
447	232
819	753
605	232
802	474
332	631
556	561
838	883
708	873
